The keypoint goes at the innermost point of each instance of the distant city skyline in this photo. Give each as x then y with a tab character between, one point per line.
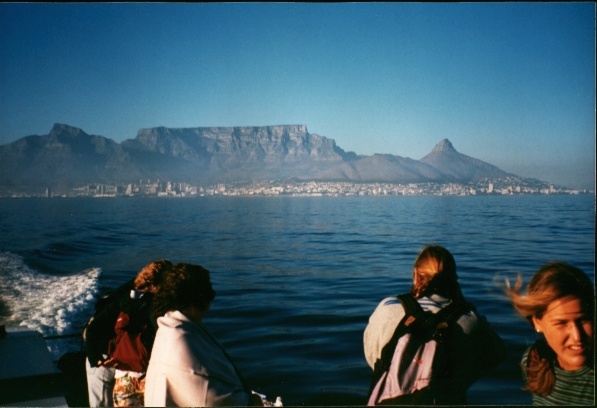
512	84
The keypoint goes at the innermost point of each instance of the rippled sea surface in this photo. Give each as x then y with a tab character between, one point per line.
296	278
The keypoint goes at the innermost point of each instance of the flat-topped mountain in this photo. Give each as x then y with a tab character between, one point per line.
289	144
68	157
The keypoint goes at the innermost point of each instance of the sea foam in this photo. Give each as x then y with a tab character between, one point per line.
49	304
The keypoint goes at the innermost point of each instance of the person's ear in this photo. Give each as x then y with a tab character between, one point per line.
537	324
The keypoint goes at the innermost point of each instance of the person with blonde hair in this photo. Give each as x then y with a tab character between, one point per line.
560	304
474	348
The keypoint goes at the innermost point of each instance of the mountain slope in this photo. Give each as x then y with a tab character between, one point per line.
68	157
384	168
458	166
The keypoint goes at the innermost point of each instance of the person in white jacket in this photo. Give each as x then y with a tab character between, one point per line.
188	367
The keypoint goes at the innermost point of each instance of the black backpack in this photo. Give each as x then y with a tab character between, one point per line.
414	368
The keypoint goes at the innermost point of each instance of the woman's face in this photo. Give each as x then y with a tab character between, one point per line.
568	330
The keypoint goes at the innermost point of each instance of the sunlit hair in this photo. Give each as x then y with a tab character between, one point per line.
151	275
435	272
555	280
184	285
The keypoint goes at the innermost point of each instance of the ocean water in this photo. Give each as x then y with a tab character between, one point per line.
296	278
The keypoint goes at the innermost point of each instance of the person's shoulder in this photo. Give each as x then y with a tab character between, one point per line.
470	320
388	307
175	320
390	301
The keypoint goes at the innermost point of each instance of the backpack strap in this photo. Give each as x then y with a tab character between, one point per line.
427	325
412	312
383	363
411	307
428	320
451	313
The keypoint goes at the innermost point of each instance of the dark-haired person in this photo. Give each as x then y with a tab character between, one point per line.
107	385
188	367
560	304
474	349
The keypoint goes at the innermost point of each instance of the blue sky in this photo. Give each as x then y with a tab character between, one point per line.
512	84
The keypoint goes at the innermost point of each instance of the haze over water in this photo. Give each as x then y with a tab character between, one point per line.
296	278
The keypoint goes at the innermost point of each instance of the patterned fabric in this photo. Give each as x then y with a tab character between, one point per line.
572	387
129	390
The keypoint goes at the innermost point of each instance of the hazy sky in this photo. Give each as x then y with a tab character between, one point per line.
512	84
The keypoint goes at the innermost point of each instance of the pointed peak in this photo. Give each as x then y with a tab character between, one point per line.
443	145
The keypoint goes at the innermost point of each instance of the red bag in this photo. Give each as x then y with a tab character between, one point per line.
127	350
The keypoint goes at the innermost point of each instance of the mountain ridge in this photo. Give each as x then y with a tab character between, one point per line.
68	156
